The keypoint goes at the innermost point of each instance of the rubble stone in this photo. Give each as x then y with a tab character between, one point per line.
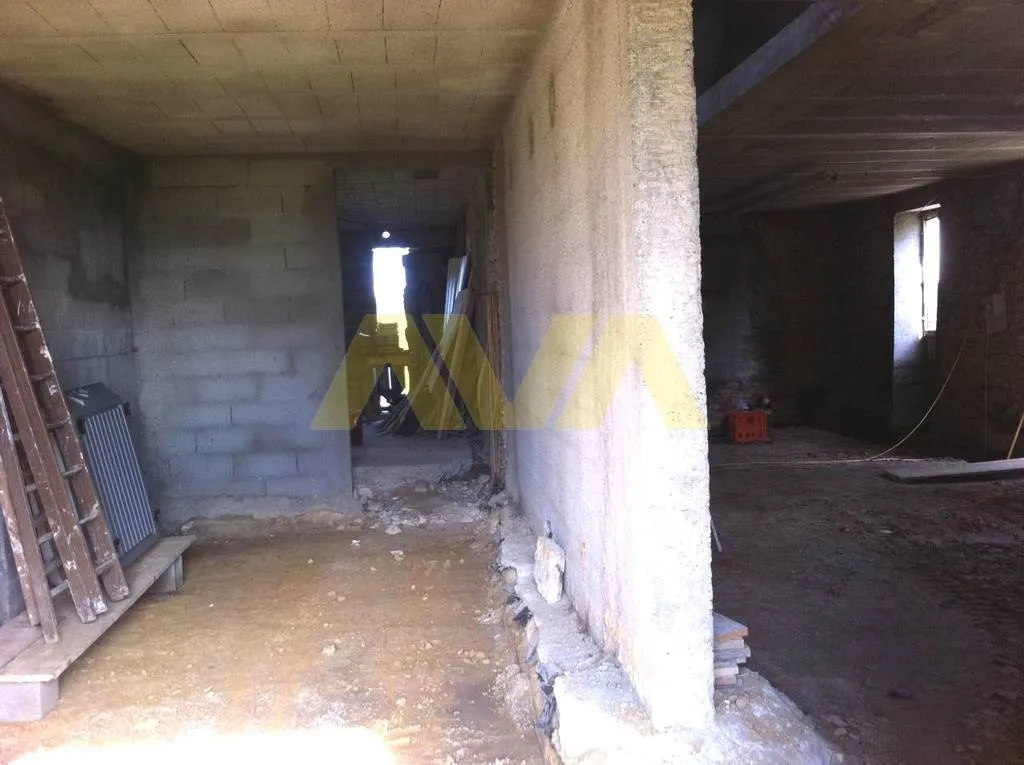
548	568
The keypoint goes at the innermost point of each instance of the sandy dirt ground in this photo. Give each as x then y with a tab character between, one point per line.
366	642
892	614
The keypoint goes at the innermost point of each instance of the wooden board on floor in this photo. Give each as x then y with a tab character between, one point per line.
727	629
949	472
27	658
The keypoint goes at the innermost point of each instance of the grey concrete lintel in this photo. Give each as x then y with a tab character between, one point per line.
795	38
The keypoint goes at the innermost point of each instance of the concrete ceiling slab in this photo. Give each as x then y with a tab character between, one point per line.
210	76
896	97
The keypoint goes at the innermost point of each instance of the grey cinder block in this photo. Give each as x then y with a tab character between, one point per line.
230	388
27	702
297	487
269	464
232	440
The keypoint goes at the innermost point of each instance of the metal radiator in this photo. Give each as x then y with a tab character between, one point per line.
103	422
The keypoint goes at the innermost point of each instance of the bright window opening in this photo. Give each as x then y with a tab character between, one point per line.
389	292
931	256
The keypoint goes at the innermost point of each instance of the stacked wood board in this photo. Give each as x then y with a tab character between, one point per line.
730	650
946	471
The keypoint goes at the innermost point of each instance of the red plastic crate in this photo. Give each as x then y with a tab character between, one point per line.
748	427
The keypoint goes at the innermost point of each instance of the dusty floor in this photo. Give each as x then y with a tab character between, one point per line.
368	642
892	614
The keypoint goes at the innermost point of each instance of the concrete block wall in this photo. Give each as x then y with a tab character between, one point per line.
238	317
64	190
599	193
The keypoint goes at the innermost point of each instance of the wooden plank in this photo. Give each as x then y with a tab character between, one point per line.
16	636
727	629
729	645
40	662
951	472
732	655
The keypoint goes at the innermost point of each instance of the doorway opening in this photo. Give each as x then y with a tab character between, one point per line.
408	239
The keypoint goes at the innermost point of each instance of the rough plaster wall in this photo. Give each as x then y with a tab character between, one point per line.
862	401
600	190
832	282
982	235
770	312
68	223
983	254
799	308
739	321
238	310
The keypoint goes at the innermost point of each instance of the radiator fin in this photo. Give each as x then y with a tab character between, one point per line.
118	477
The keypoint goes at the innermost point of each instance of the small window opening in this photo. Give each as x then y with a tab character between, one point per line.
931	257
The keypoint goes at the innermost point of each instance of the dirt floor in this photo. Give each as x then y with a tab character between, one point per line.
892	614
367	642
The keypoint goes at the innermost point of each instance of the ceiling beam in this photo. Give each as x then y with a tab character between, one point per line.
796	37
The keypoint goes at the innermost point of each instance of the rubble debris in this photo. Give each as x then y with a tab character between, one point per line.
500	499
548	568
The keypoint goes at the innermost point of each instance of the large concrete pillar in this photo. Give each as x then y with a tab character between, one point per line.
666	564
598	170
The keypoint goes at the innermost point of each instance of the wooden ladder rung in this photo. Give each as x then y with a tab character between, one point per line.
7	280
47	537
43	376
58	589
58	424
89	518
69	473
27	328
99	567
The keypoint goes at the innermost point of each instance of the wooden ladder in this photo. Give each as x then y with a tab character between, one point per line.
61	487
28	558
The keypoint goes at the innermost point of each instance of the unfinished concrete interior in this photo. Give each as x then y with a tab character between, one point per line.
817	203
